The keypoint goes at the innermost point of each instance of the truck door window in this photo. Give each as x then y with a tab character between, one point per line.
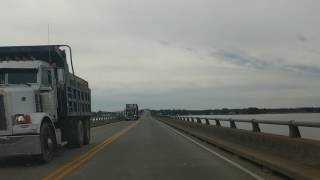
46	77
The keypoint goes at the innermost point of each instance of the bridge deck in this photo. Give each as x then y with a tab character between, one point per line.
149	150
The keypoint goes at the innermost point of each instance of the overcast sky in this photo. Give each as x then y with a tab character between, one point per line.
192	54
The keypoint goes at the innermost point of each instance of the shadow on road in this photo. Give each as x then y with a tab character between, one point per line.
22	161
27	160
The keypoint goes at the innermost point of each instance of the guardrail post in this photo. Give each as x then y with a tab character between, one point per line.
199	120
207	122
255	126
192	120
232	124
217	122
294	130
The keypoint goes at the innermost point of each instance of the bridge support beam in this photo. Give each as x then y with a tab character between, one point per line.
232	124
217	122
199	120
294	131
255	126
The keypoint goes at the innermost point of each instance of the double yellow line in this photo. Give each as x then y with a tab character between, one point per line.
70	166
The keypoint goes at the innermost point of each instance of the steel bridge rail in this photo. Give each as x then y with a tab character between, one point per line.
293	125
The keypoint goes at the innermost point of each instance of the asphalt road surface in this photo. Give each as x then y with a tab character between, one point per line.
143	149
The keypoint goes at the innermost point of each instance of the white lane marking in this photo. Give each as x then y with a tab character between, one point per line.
217	154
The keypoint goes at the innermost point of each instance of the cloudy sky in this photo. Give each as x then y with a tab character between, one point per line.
192	54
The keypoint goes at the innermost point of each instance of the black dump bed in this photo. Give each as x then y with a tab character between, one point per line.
79	96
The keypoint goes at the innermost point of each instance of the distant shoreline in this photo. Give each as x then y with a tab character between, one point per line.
245	111
266	113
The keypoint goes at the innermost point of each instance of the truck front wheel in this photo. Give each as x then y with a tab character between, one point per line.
47	141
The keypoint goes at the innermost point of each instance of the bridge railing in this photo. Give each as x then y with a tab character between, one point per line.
105	118
293	157
293	125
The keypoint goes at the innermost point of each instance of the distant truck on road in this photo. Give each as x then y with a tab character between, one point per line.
131	112
42	104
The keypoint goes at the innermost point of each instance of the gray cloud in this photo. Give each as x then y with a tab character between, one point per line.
304	68
243	59
159	53
302	38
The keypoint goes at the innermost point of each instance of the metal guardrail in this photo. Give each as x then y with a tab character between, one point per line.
101	119
293	125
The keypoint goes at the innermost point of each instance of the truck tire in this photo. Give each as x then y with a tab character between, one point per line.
77	135
47	140
86	132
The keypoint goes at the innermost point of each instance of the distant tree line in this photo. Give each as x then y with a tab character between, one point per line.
226	111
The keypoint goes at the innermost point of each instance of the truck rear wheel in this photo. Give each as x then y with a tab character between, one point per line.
86	132
47	141
77	135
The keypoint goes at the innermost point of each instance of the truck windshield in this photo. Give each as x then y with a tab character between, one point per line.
18	76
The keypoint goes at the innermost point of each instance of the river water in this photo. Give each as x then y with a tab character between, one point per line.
306	132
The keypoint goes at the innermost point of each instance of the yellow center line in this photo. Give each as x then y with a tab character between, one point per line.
70	166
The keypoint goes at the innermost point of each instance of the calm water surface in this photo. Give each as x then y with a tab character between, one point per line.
306	132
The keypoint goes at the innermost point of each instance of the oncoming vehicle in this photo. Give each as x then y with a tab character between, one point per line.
131	112
42	104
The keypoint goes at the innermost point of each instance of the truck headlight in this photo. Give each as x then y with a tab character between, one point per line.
23	118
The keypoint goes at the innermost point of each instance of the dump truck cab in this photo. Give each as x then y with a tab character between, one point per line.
21	85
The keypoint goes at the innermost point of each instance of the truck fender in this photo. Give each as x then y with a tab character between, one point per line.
38	118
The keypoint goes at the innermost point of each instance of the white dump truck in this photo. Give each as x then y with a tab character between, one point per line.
42	104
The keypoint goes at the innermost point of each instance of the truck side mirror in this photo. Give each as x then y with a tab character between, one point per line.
60	74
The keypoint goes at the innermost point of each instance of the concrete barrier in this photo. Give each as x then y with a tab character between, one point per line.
296	158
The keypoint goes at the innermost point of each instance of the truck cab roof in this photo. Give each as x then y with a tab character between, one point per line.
27	64
46	53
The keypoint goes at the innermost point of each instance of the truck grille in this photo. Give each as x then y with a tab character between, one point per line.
3	121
